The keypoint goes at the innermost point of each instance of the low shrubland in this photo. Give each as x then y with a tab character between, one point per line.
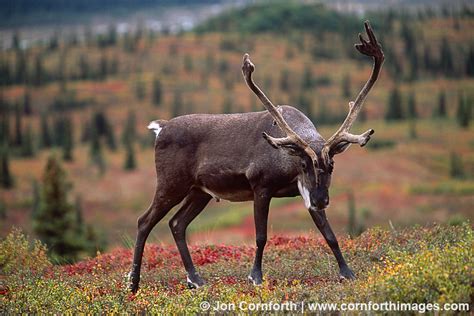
415	265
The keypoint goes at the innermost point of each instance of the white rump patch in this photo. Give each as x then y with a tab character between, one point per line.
155	127
305	194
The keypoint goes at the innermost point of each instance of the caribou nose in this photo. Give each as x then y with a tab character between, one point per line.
323	202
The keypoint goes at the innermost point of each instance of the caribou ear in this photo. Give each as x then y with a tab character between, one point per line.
339	148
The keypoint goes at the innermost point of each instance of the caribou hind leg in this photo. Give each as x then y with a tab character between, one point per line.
193	205
160	206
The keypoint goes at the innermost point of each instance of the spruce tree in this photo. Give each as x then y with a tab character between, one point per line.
68	140
46	137
16	41
27	108
79	216
86	131
113	66
100	123
102	128
305	105
140	89
20	67
39	76
6	178
395	108
130	162
441	111
157	92
177	106
103	67
28	147
210	62
36	198
469	63
110	138
62	72
4	128
59	131
55	222
323	114
456	168
112	35
6	76
413	59
308	81
412	111
84	69
463	112
223	67
428	62
95	152
18	125
346	86
188	63
3	209
129	132
446	59
412	133
409	38
285	80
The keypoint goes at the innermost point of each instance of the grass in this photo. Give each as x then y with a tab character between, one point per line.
415	265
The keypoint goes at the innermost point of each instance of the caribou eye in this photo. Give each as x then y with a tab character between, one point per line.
303	165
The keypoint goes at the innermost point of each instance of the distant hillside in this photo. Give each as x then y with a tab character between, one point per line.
281	17
19	12
18	7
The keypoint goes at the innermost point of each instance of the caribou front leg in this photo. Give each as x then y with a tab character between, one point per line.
319	218
261	205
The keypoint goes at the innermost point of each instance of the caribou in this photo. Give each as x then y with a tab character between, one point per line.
253	156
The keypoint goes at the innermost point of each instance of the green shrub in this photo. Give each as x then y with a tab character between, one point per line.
20	256
433	273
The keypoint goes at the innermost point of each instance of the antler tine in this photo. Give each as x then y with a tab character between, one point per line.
370	48
292	138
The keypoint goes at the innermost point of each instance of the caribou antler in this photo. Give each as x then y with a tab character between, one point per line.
292	139
342	138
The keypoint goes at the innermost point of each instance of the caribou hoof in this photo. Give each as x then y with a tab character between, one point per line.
255	279
133	282
346	274
195	281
